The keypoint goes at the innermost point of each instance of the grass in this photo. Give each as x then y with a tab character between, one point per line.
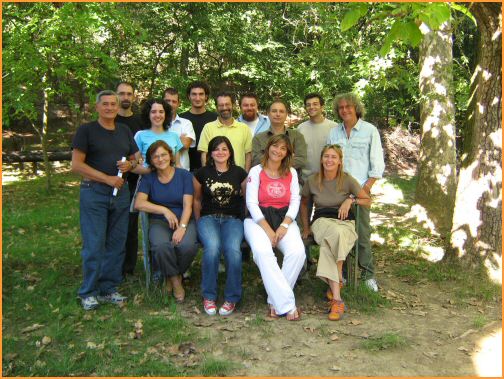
386	341
216	367
480	321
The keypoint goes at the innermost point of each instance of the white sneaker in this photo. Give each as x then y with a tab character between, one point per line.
222	268
372	285
210	307
89	303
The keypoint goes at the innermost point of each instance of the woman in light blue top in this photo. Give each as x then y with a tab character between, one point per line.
157	113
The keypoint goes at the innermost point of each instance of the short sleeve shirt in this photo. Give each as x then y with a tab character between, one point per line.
104	147
330	196
221	192
145	138
171	194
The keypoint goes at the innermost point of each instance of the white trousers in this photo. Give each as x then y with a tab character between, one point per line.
279	283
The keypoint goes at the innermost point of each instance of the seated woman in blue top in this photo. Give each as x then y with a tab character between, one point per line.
167	195
157	114
219	207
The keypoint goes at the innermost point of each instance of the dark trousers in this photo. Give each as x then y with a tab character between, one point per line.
131	247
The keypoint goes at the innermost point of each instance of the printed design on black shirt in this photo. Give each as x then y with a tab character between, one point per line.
221	192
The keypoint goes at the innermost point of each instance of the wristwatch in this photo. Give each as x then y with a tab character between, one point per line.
285	225
184	226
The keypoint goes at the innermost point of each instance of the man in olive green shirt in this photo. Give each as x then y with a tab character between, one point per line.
277	114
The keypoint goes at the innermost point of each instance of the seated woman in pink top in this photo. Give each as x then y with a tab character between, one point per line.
273	199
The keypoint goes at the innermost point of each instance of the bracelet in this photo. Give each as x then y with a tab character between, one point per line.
285	225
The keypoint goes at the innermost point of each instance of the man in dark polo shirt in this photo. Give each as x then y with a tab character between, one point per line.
98	149
126	93
198	94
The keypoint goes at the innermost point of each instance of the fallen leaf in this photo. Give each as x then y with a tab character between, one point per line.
462	348
335	368
87	317
31	328
39	363
286	346
355	322
138	324
28	307
46	340
187	348
334	337
30	288
197	311
137	300
309	329
418	313
430	354
91	345
466	333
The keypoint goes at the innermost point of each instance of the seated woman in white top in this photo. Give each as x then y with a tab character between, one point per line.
273	199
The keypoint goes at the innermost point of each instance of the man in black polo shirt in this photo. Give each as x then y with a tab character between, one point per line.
98	149
126	93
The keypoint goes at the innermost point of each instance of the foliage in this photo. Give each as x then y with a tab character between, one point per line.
274	49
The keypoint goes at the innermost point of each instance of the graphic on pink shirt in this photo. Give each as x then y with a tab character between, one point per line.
276	189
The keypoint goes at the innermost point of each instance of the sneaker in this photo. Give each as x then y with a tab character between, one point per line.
89	303
337	310
222	268
210	307
113	298
186	275
372	285
227	308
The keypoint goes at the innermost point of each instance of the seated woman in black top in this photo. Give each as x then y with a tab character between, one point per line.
218	208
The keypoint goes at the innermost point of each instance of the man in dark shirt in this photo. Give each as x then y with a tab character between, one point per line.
126	93
98	151
198	94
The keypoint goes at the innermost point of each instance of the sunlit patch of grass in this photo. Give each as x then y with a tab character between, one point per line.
212	366
386	341
480	321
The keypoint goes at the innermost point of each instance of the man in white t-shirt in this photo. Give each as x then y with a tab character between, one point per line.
181	126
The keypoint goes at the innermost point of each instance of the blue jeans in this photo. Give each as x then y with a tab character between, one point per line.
104	227
219	235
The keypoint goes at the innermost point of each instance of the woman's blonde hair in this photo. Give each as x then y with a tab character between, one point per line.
285	165
340	174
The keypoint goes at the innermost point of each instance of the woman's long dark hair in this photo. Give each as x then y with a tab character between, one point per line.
146	108
212	145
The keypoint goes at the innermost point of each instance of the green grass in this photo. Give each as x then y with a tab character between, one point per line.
480	321
362	299
216	367
386	341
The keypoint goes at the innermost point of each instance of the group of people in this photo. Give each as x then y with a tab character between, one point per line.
211	178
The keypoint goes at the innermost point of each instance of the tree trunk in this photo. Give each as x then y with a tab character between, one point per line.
477	220
44	142
437	181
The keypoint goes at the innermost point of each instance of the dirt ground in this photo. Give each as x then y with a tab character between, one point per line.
441	335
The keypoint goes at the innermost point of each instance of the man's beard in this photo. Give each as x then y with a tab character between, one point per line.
125	104
249	117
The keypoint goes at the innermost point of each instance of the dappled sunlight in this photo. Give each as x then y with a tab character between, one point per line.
12	174
375	238
494	270
433	253
388	193
419	213
442	177
488	357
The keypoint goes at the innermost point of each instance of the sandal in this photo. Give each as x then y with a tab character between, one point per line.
294	315
272	313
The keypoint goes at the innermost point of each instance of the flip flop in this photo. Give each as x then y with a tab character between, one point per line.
296	312
272	313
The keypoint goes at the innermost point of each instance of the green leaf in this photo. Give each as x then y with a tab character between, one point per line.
353	16
413	33
464	11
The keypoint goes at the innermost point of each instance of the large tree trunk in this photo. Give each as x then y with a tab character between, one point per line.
477	220
437	180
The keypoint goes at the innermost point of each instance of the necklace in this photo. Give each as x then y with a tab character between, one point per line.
219	173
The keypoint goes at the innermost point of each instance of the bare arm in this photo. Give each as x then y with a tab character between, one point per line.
179	233
143	204
197	199
203	158
248	161
79	166
177	160
186	141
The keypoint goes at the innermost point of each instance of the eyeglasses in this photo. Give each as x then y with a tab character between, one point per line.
159	156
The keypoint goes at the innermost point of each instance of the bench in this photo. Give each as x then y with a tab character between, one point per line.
352	260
